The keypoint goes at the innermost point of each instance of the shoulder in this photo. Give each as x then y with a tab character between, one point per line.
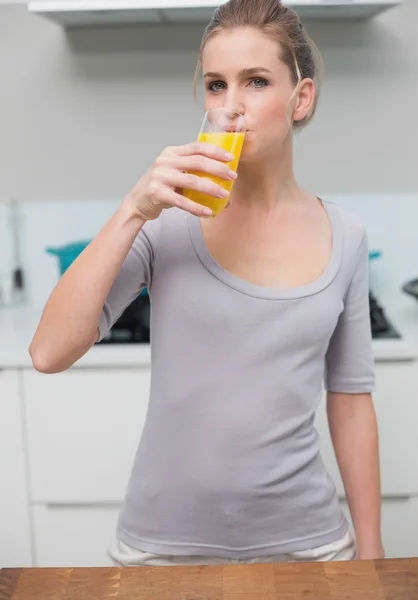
168	235
173	218
351	228
170	221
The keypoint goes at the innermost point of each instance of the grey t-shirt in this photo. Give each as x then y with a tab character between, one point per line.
229	464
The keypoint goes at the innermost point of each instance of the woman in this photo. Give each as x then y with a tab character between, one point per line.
251	311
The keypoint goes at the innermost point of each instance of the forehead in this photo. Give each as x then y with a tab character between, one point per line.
241	48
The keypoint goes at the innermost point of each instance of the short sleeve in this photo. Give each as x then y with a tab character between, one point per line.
349	365
134	276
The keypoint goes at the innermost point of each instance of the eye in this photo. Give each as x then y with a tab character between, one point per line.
259	82
216	86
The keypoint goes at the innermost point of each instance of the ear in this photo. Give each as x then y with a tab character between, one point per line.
304	100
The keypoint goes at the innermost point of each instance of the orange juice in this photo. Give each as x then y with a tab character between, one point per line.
231	142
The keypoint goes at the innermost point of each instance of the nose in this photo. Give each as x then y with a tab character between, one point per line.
234	101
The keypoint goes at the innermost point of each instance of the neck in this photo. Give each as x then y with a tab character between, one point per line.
265	183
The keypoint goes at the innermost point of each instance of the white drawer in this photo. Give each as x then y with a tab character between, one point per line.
397	412
400	527
74	536
15	550
80	536
83	429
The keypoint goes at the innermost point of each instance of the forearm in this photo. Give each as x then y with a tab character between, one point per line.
68	326
354	434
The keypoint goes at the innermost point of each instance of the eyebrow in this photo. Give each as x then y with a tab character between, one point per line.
242	73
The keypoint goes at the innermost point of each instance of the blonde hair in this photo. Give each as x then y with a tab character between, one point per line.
279	22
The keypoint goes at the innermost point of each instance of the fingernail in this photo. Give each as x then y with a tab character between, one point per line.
223	193
207	211
229	156
232	175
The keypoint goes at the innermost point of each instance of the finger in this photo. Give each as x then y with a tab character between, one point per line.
202	164
169	198
188	181
205	149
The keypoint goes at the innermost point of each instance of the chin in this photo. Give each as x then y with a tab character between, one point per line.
251	152
256	149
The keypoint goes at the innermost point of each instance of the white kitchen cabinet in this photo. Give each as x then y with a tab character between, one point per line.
396	404
15	548
83	429
399	526
111	12
79	536
74	536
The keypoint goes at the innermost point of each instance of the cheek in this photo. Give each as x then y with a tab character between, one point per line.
212	101
274	111
271	121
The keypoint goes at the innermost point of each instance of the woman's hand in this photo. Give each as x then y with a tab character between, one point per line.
162	185
370	551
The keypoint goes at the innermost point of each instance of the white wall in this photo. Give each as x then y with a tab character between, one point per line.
83	113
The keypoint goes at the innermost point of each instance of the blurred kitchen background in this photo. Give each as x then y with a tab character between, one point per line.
87	100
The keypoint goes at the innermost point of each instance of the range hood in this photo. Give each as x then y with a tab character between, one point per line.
113	12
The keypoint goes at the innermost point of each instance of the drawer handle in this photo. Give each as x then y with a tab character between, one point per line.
79	505
399	497
393	497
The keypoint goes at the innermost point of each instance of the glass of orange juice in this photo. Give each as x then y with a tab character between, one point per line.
225	128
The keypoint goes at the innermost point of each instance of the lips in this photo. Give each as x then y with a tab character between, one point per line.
234	129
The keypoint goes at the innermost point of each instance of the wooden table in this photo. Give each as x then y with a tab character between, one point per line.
357	580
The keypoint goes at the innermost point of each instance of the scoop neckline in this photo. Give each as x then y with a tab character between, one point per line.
275	293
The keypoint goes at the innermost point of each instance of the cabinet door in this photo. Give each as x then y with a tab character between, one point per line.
74	536
399	526
83	430
396	408
15	547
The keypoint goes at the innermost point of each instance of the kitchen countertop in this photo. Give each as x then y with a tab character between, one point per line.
17	326
359	580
